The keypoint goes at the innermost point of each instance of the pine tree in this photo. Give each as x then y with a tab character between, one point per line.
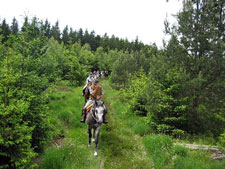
5	30
55	32
65	35
200	51
14	27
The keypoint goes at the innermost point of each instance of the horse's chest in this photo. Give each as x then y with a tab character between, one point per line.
94	126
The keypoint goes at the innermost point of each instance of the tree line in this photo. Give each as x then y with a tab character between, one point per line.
68	35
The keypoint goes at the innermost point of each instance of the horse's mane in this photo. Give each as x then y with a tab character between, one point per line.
99	103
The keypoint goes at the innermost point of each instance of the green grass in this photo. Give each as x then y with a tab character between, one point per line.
159	148
197	160
123	148
65	114
126	142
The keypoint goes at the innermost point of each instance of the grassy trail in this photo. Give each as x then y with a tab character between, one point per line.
125	142
119	146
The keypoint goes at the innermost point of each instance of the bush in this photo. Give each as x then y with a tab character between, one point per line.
135	95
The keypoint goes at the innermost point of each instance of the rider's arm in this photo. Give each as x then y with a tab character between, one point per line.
101	94
94	91
90	90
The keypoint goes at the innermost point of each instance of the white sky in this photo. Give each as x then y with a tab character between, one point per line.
123	18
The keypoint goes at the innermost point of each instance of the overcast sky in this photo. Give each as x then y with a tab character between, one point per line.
123	18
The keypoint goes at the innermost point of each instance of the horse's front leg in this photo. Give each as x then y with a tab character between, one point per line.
96	141
93	136
90	136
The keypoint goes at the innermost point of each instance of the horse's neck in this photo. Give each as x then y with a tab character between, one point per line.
99	103
90	118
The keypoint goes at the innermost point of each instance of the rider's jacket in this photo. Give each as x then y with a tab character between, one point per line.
98	92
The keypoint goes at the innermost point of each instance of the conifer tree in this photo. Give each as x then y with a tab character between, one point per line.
55	32
5	30
14	27
65	35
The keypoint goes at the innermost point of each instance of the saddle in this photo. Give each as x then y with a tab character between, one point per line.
89	108
97	103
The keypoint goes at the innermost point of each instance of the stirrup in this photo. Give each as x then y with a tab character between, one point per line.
82	121
105	122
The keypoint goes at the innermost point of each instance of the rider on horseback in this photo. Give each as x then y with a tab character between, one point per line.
90	78
96	93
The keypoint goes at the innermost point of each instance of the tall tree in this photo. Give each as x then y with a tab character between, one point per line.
65	35
25	24
55	31
14	27
5	30
200	29
46	29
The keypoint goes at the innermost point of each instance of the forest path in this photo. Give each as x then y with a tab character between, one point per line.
119	147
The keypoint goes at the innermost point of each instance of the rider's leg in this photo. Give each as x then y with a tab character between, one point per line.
83	91
104	115
84	114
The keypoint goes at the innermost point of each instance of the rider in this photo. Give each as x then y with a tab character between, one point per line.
96	93
86	92
90	78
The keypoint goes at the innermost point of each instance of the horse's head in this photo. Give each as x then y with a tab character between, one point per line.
98	113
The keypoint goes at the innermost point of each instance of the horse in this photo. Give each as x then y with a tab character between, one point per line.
94	122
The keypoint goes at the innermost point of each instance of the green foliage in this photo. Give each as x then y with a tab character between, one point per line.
68	156
123	68
54	158
159	147
140	127
201	31
53	61
22	102
135	93
15	104
179	89
177	133
180	151
222	140
166	101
